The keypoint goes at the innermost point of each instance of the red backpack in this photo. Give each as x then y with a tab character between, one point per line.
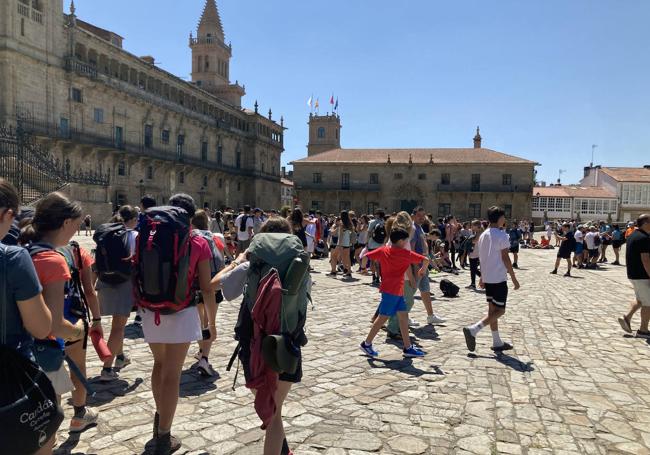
162	261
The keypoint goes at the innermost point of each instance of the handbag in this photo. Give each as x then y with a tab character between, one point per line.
29	409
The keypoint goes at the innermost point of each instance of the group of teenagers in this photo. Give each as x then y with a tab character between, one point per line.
401	266
42	269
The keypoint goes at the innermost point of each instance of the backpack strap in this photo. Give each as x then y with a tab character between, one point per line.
3	295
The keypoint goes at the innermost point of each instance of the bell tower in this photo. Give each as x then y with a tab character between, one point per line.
211	57
324	133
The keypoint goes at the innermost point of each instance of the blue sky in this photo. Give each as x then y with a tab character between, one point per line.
544	79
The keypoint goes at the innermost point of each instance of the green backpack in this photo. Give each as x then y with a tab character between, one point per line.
286	254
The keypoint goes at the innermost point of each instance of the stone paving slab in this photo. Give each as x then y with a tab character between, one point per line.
573	384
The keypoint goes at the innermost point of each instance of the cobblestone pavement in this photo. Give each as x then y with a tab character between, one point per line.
573	384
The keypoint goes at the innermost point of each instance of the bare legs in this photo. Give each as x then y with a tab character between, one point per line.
116	339
165	380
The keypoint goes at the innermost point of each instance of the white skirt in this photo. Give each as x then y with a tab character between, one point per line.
61	381
181	327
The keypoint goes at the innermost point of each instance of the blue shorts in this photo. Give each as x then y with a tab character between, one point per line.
391	304
580	247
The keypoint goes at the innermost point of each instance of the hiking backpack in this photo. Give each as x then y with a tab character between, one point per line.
448	288
113	254
379	233
75	305
162	260
270	326
218	262
242	223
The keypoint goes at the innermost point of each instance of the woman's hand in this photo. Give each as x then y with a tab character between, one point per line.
96	327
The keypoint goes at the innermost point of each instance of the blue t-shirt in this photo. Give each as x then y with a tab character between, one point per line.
515	236
21	284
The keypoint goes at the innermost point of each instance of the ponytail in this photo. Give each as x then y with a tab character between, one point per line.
51	213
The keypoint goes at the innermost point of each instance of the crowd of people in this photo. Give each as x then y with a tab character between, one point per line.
175	264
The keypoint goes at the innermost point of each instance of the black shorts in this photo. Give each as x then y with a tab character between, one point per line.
497	293
593	253
245	355
617	243
607	242
514	248
564	253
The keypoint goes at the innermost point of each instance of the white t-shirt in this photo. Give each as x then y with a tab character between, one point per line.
579	236
243	235
590	240
490	245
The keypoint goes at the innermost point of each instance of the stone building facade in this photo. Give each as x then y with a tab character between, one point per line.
464	182
103	111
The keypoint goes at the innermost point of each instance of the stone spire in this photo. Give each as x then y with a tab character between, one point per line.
477	139
210	23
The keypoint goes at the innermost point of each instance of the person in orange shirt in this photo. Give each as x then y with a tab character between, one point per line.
630	229
55	221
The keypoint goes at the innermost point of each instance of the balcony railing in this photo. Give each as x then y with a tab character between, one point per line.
23	10
483	188
37	16
74	65
108	142
338	187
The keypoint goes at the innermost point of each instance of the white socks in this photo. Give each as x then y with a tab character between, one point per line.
476	328
496	339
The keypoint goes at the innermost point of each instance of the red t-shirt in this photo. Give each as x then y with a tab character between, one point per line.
200	252
394	262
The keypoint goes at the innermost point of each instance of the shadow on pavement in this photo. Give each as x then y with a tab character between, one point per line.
193	384
404	366
428	332
108	391
507	360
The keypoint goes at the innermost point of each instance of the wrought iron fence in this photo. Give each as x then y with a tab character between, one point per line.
35	172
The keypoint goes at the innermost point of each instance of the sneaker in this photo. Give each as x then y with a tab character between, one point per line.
616	263
204	368
625	324
79	424
567	274
122	362
503	347
138	320
435	319
642	334
108	375
554	272
471	286
413	323
166	444
515	266
412	351
470	339
367	348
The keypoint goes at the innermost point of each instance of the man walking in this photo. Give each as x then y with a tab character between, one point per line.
638	272
244	225
494	249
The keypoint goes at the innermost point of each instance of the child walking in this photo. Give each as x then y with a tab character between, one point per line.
393	261
493	247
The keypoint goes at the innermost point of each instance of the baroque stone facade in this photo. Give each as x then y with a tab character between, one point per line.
99	108
464	182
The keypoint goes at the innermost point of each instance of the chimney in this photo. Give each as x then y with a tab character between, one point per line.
543	184
587	170
148	59
284	171
477	139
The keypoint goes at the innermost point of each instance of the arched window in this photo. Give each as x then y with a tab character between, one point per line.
321	132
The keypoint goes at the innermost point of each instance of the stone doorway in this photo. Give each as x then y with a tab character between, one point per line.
408	205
